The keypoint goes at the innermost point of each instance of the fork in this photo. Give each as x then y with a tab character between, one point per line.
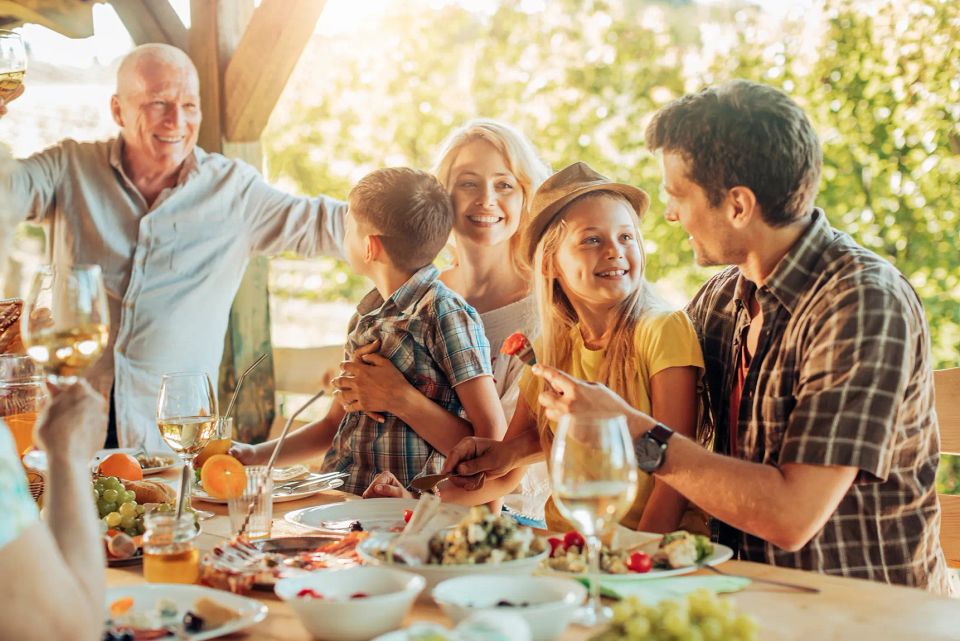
782	584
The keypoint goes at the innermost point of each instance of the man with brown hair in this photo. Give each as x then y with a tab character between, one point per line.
398	221
817	355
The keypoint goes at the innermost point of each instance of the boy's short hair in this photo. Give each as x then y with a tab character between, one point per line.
410	211
749	134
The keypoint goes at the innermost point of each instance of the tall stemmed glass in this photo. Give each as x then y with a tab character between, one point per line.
594	475
187	418
13	63
65	322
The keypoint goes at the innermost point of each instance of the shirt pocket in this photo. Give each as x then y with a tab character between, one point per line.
201	244
774	414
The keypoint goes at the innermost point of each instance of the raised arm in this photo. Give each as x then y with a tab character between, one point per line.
308	442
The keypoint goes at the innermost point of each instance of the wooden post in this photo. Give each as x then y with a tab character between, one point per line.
216	28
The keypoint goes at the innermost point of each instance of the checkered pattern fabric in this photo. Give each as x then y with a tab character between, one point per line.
841	376
436	340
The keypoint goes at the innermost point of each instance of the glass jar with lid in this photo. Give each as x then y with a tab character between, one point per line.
170	554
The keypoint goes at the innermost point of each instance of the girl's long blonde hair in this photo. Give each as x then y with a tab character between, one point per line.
518	154
559	317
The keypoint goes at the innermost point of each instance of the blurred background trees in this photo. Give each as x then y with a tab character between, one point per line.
880	80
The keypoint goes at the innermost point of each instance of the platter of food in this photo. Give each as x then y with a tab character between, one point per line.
672	554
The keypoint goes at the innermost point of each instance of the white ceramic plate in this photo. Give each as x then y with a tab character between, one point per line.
372	514
720	554
145	599
278	497
37	459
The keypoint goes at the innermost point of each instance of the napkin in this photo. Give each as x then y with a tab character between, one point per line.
652	591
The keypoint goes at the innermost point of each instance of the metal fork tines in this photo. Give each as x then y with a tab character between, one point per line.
238	554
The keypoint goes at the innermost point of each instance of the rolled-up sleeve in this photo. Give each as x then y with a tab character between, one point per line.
32	184
280	222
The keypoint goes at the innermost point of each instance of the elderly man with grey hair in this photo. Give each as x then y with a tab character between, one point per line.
171	226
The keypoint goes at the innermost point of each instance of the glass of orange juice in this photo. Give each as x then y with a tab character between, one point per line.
22	395
169	551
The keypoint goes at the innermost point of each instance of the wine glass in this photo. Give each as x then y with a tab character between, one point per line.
187	418
13	63
65	322
593	472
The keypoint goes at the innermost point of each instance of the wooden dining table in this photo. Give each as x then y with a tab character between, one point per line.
843	610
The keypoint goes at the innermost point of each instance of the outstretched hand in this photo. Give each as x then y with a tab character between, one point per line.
565	394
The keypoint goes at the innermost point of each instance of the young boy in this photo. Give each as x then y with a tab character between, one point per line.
398	221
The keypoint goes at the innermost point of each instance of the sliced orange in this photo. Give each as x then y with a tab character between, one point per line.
122	466
121	606
223	477
217	446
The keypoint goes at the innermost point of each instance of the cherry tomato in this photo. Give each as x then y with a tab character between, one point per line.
640	562
406	515
309	593
556	546
573	539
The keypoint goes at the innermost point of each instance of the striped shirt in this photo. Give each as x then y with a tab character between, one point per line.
436	340
841	376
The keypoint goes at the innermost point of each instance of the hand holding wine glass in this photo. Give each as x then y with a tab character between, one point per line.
593	472
65	322
13	66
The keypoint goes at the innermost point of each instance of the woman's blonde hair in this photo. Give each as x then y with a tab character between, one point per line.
559	318
518	154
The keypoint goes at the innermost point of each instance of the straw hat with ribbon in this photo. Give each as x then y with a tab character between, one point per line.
562	188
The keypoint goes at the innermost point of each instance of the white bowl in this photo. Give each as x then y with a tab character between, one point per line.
337	617
435	573
549	602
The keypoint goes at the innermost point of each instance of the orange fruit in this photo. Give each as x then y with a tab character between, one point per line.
223	477
217	446
122	466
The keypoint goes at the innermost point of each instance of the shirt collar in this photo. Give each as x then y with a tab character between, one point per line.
187	169
792	276
406	296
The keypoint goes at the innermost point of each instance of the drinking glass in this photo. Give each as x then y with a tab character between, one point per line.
187	418
22	395
65	322
13	63
258	492
593	472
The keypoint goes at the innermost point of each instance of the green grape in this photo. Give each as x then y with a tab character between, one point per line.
128	497
109	507
140	510
112	483
128	509
113	519
126	522
111	496
102	508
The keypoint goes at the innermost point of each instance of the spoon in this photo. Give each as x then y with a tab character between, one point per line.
429	482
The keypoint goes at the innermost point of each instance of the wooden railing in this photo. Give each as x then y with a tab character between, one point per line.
947	383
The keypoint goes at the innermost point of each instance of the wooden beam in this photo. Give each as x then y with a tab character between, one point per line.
71	19
262	63
153	21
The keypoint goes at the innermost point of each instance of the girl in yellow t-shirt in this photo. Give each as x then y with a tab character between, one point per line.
602	322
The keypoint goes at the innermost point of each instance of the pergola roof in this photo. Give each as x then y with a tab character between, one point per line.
72	18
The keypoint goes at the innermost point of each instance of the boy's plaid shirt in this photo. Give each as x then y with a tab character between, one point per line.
436	340
841	376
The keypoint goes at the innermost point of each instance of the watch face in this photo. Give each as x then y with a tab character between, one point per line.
649	453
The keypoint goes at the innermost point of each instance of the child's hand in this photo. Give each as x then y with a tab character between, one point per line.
565	394
246	454
385	484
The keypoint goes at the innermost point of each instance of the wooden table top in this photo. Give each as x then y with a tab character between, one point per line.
844	610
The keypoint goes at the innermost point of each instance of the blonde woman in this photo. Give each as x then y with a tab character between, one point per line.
601	323
491	172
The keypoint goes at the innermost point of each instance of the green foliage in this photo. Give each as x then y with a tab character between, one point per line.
879	79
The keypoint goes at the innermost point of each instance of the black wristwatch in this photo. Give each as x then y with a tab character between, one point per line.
651	447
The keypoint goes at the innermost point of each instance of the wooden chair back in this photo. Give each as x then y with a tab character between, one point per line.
947	386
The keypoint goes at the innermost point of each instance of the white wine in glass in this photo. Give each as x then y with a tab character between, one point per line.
13	63
187	419
593	472
65	321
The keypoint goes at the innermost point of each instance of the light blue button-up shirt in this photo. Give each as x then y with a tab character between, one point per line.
171	269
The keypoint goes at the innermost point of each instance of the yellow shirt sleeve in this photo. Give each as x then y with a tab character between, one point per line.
669	340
